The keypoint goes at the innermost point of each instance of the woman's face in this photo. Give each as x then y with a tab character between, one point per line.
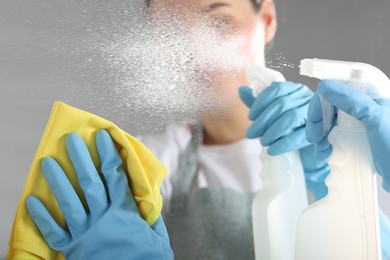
233	20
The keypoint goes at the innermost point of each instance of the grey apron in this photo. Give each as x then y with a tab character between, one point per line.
207	223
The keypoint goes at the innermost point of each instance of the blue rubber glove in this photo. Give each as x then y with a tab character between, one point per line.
113	227
316	172
384	225
279	116
375	115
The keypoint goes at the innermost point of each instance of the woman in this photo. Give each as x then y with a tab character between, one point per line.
213	168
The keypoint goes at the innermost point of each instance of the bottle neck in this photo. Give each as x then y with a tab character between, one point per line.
347	122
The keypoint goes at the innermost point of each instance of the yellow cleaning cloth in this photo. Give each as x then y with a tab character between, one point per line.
144	171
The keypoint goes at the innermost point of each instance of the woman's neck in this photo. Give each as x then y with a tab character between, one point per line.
227	128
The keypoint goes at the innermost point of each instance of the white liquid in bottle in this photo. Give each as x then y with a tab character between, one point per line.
344	225
276	208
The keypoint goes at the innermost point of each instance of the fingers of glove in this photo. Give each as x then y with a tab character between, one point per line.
160	228
54	235
383	102
246	96
314	131
386	184
351	101
294	141
88	177
270	94
277	109
285	125
380	149
320	174
314	125
323	144
384	225
318	189
315	170
113	172
314	113
323	150
70	204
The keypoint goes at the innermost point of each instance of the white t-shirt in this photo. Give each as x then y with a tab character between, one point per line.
236	166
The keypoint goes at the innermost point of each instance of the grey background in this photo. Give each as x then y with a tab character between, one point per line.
44	48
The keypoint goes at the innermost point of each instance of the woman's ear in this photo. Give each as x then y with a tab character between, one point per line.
268	17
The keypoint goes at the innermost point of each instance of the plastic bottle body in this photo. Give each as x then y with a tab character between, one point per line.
344	225
277	207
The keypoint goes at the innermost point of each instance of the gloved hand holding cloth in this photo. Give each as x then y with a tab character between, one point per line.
106	199
113	227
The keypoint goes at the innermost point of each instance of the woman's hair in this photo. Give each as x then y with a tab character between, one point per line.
256	4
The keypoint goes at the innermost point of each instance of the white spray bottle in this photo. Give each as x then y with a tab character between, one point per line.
276	208
344	225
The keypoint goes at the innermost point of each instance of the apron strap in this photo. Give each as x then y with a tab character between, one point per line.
187	169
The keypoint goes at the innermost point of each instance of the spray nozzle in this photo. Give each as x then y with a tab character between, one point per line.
361	76
261	77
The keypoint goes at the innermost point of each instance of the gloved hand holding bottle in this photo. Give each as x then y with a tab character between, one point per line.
374	114
113	227
279	116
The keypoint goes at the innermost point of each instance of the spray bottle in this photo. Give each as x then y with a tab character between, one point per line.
276	208
344	225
